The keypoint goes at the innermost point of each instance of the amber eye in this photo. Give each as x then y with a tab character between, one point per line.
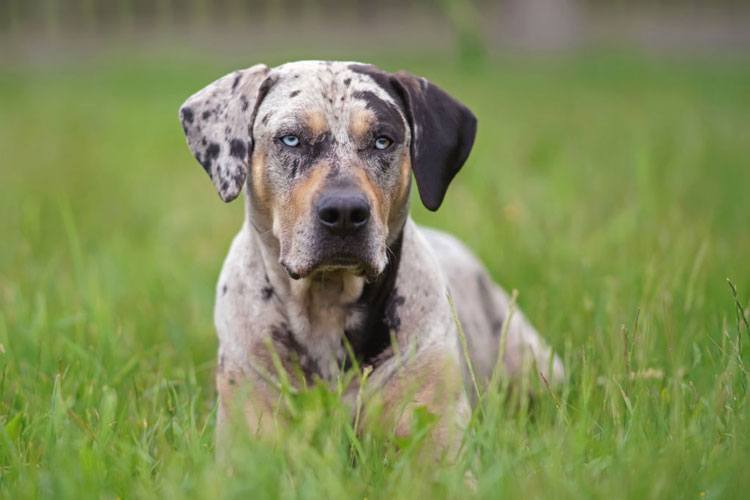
290	140
382	142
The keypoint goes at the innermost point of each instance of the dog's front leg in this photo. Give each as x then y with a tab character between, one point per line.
245	402
430	381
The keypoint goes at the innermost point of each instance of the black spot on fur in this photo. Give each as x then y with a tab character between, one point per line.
493	315
265	118
380	302
187	115
387	113
245	102
295	167
205	162
224	185
206	114
213	150
293	351
266	292
238	149
347	81
392	319
294	94
224	290
236	81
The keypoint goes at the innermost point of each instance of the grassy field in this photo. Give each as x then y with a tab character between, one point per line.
610	191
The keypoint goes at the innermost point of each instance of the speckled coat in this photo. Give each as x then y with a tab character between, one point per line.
295	304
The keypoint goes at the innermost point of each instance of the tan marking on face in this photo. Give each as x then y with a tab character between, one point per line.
316	122
361	121
305	191
258	181
373	192
403	183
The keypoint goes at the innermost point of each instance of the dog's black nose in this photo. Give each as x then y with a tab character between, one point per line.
343	212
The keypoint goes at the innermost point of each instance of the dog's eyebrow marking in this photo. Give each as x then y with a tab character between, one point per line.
316	122
383	109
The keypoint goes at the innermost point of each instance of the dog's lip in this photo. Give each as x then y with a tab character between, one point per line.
340	262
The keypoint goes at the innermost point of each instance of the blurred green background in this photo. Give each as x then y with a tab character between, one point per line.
608	185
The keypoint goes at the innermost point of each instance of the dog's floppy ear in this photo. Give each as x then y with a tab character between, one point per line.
442	132
218	122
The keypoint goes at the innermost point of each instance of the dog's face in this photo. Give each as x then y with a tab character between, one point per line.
329	148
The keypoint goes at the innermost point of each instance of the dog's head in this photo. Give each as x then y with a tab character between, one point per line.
327	150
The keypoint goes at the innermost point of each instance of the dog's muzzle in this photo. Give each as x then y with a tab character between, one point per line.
344	236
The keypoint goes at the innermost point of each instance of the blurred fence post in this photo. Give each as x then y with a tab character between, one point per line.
88	15
465	20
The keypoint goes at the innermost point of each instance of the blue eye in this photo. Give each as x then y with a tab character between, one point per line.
382	142
290	140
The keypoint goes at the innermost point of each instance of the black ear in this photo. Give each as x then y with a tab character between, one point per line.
218	122
442	131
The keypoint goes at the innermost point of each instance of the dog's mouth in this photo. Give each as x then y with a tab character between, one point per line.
354	264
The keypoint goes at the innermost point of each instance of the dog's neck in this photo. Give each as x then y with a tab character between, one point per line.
329	309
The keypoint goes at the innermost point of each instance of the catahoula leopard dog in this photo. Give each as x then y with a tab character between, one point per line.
329	273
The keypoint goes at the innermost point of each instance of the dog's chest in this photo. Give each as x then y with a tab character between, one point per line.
320	318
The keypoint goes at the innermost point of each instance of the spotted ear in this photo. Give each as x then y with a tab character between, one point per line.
442	131
218	122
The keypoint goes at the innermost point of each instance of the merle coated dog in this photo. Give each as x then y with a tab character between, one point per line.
329	274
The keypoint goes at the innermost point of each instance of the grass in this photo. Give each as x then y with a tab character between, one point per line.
610	191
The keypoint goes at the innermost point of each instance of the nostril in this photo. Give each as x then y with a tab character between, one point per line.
329	215
359	215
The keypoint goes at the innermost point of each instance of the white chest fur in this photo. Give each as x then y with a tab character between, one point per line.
322	309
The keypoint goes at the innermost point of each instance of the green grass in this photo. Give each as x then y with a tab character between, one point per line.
611	192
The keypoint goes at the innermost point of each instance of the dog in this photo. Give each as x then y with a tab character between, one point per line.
329	273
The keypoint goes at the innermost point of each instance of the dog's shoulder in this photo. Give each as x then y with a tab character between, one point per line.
421	288
453	255
244	294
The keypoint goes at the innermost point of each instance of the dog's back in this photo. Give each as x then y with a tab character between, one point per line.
483	308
